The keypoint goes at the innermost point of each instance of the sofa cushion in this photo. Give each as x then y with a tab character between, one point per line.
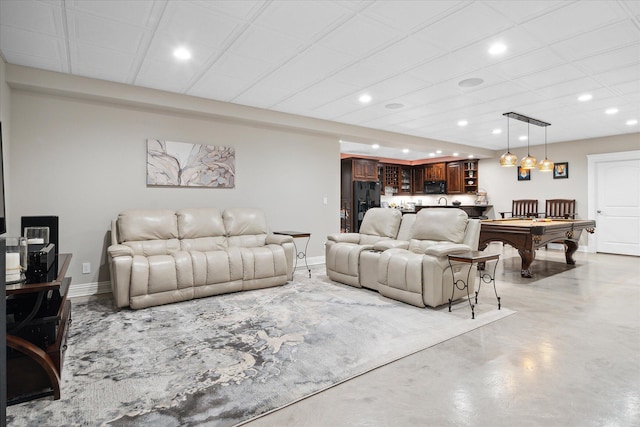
246	227
440	224
139	225
201	229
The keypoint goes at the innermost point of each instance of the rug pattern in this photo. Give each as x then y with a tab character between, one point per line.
221	360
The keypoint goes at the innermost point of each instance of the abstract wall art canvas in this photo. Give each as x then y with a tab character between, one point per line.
190	165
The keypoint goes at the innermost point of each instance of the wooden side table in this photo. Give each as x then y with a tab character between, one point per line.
474	257
299	254
38	316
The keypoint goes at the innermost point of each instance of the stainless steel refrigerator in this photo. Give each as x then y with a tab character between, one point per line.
366	195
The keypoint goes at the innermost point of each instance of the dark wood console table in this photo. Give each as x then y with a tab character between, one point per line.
38	318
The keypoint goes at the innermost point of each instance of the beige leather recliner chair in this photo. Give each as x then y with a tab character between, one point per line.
420	275
343	250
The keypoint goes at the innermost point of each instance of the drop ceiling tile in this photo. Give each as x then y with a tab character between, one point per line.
395	87
162	46
612	60
317	95
105	33
37	45
527	64
443	68
605	39
166	75
574	87
247	69
261	95
404	54
239	9
131	12
39	17
621	75
311	66
312	18
360	36
551	76
573	19
409	14
99	63
189	23
475	21
523	10
266	45
221	88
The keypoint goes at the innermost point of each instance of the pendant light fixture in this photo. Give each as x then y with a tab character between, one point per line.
508	159
546	165
528	162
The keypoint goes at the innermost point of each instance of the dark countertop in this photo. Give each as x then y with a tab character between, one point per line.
472	210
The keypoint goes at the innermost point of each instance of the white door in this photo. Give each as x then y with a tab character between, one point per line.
614	197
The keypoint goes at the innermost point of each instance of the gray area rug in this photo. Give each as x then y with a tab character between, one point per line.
222	360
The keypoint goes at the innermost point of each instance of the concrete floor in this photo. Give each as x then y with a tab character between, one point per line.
570	356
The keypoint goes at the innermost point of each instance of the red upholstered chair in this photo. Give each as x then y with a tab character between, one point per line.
560	208
522	208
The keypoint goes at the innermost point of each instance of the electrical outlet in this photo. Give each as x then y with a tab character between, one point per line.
324	200
86	267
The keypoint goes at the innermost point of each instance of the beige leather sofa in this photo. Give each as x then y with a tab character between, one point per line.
411	266
161	256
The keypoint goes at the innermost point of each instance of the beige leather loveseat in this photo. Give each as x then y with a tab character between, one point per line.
412	265
161	256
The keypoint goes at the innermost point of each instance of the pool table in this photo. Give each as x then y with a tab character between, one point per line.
528	234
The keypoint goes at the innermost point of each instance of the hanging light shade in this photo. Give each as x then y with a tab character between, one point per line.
528	162
546	165
508	159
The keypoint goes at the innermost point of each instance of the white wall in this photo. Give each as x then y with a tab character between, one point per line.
85	161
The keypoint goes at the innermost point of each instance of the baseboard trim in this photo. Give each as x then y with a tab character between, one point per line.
89	289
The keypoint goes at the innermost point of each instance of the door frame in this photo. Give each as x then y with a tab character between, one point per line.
592	161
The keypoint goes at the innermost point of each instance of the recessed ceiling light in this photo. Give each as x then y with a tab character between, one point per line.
462	122
439	151
474	81
523	138
585	97
432	154
496	131
182	53
394	106
611	110
365	98
497	49
405	150
456	154
632	122
470	156
375	146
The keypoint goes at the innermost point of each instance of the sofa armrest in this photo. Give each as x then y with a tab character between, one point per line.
383	245
344	237
446	248
278	239
119	250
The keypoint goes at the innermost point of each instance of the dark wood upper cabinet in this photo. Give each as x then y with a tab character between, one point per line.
365	169
435	172
454	178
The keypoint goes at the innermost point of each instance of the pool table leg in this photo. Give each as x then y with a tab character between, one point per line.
527	258
572	247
